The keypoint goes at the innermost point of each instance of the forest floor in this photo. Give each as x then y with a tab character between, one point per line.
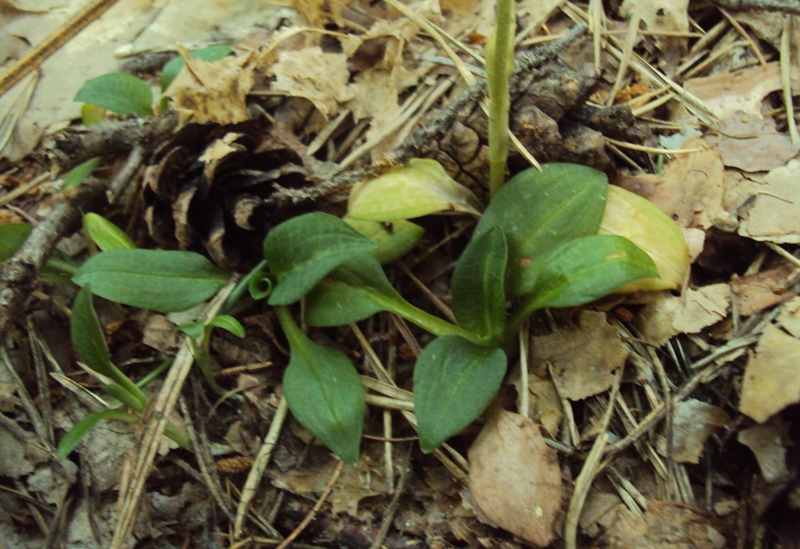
669	418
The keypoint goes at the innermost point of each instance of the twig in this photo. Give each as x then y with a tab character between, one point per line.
19	274
311	514
784	6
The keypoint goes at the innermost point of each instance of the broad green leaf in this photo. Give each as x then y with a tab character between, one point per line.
454	382
323	391
301	251
420	188
537	211
175	65
105	234
118	92
229	324
79	173
12	236
588	268
393	239
354	291
479	301
647	226
158	280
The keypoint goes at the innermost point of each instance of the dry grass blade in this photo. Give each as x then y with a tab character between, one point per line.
154	421
630	40
786	80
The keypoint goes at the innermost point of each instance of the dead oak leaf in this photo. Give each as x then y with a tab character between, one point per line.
772	377
316	75
789	317
753	144
758	291
514	477
583	357
212	92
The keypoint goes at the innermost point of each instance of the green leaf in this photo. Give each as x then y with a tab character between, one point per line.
92	114
194	330
586	269
118	92
12	236
74	436
354	291
79	173
90	344
105	234
158	280
175	65
393	239
479	302
323	391
420	188
121	394
537	211
303	250
454	382
229	324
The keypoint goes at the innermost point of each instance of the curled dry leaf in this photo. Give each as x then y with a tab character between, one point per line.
694	421
772	377
667	315
514	477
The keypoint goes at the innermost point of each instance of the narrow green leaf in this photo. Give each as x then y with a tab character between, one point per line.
118	92
194	330
586	269
303	250
176	64
159	280
323	391
537	211
12	236
393	239
229	324
74	436
88	337
121	394
105	234
479	302
454	382
79	173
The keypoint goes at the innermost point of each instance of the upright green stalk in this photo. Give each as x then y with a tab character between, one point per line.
499	67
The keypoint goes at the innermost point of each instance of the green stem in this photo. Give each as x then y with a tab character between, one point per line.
426	321
61	266
243	286
155	373
201	355
499	66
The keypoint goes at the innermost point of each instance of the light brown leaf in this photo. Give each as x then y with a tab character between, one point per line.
772	377
753	144
315	75
789	317
693	422
515	478
583	357
768	443
756	292
667	315
774	215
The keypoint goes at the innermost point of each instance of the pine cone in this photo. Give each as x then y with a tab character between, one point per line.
206	190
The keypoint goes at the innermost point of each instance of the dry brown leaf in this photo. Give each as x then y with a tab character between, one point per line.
316	13
665	525
693	422
756	292
315	75
772	377
789	317
768	443
212	92
514	477
753	144
596	510
692	188
726	93
660	15
774	215
583	357
545	405
667	315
